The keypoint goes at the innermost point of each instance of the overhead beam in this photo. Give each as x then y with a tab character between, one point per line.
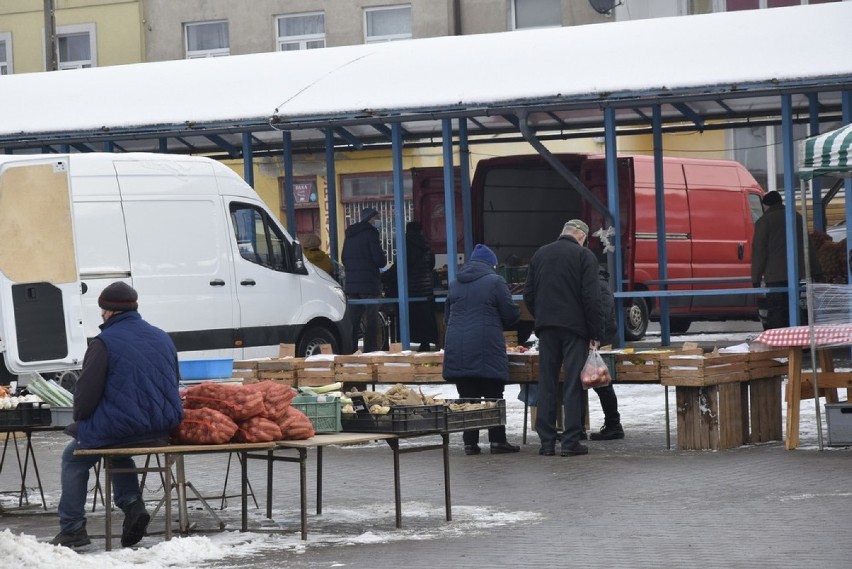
689	113
232	150
353	140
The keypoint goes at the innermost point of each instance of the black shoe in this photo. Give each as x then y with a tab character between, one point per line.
584	436
136	519
575	450
472	449
503	448
77	538
546	452
608	433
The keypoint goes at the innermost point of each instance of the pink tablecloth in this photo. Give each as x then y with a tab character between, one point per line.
824	334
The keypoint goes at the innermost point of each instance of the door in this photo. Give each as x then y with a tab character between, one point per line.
40	294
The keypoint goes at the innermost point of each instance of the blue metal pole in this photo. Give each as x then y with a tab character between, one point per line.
163	145
248	160
467	205
399	230
790	209
816	183
449	197
660	202
109	146
289	199
612	200
331	183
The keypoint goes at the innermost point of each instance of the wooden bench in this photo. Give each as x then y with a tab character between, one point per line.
172	455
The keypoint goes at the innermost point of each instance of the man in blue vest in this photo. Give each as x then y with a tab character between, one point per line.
127	395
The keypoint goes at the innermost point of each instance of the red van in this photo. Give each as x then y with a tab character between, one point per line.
520	203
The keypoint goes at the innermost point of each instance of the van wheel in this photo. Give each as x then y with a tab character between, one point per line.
636	320
311	340
679	325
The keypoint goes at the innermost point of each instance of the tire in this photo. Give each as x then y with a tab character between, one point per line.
635	320
312	338
679	325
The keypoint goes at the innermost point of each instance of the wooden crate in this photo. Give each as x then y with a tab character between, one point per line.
314	371
710	417
764	407
644	367
523	367
766	364
700	370
404	368
355	369
281	370
511	337
245	370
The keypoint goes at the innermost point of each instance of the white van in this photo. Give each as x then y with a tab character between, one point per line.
211	264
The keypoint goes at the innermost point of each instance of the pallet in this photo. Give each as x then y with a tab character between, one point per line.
404	368
709	417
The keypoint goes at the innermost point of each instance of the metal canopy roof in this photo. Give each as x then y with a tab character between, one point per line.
707	72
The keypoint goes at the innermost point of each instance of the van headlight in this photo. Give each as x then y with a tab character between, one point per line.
340	294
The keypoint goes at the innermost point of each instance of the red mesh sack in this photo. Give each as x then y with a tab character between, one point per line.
204	426
257	430
276	398
295	426
236	401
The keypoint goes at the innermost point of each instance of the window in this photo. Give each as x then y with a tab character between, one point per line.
5	53
301	31
535	14
259	240
387	24
206	39
76	46
358	187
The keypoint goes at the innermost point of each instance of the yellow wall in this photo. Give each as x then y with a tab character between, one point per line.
118	29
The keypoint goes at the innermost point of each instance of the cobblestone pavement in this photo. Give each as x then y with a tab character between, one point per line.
629	503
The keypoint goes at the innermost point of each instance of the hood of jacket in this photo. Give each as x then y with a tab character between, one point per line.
360	227
474	270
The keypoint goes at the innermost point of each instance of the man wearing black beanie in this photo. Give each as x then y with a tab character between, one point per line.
127	395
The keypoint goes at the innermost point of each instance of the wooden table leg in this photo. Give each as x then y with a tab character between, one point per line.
794	395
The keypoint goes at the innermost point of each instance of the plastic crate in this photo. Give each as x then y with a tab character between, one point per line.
400	419
324	412
61	416
206	369
26	415
839	418
476	418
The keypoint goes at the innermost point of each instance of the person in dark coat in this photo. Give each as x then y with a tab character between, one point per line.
563	295
363	259
769	258
421	262
479	307
612	428
127	395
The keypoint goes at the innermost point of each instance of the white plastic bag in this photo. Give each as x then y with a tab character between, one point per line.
595	373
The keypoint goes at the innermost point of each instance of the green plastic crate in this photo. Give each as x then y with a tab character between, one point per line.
323	411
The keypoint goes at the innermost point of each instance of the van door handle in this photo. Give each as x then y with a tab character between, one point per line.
740	251
217	282
248	282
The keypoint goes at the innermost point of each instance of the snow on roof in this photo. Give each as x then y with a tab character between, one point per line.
724	50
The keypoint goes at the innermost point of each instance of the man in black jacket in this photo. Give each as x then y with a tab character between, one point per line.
563	295
363	259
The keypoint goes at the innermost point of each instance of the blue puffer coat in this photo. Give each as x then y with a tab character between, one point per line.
140	401
479	307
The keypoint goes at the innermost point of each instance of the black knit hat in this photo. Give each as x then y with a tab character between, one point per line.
118	297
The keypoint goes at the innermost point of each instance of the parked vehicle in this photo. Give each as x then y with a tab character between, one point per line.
212	265
521	203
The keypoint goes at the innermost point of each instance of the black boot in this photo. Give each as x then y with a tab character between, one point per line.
608	432
472	449
136	519
503	448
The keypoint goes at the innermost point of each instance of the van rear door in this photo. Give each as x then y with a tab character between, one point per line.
40	294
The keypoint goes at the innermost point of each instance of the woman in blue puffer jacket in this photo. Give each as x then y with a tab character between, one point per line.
479	307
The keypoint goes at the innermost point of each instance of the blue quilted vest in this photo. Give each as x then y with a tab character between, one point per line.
140	400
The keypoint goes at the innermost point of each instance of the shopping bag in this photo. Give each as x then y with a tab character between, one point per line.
595	373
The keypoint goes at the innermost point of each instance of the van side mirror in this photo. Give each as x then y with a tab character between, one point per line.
298	258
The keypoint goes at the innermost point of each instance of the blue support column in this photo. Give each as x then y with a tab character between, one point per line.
660	203
163	145
331	183
467	206
611	151
289	200
399	230
816	183
109	146
248	160
449	197
790	208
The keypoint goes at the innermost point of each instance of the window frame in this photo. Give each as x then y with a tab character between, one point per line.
204	53
390	37
6	38
513	18
301	40
74	30
273	240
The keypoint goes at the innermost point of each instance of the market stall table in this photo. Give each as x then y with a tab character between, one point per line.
29	457
795	339
320	441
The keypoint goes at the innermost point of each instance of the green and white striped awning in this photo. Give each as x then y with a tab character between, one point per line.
829	153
